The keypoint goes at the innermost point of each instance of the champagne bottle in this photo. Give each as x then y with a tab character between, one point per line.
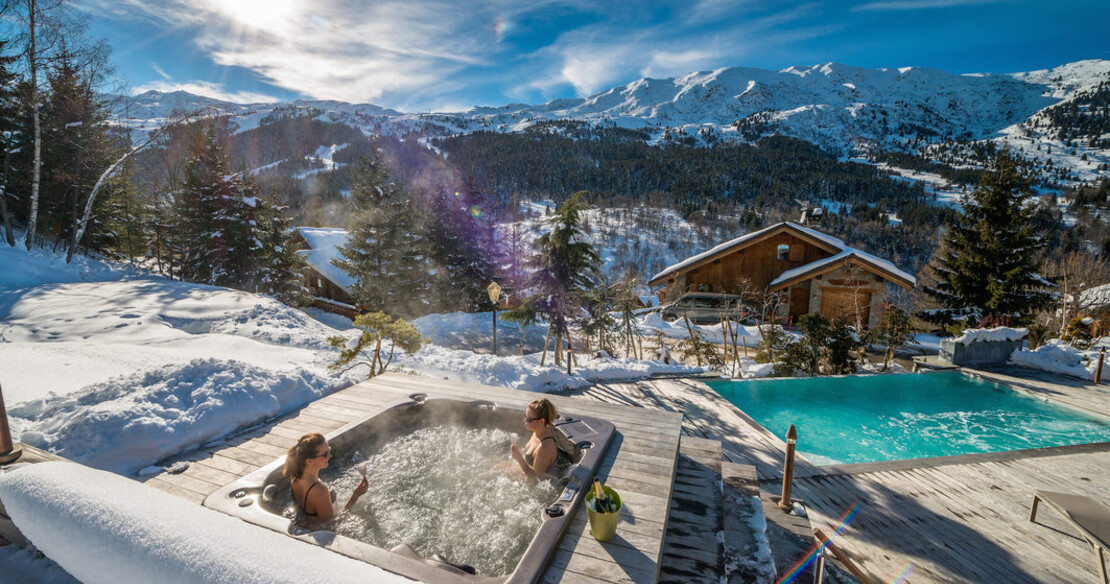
602	504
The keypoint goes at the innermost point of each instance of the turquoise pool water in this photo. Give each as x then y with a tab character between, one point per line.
895	417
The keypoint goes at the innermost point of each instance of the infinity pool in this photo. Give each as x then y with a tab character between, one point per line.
894	417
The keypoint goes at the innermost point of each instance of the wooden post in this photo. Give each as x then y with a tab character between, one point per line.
8	452
1101	359
495	329
788	472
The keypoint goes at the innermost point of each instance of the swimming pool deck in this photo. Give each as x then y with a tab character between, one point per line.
941	520
640	465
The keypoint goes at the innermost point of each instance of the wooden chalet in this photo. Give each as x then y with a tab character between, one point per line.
324	280
815	272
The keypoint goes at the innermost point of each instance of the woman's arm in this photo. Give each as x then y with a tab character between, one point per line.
542	459
358	492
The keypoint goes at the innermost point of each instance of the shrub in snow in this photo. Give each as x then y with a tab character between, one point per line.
104	528
376	328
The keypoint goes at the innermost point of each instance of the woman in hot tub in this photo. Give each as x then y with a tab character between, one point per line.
548	449
303	464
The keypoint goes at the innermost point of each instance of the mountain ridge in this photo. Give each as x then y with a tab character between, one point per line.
847	110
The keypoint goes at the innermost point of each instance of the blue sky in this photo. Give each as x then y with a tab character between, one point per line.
449	55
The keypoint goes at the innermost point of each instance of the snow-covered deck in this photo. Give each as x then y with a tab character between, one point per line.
640	466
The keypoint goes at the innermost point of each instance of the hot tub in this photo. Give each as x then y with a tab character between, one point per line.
262	496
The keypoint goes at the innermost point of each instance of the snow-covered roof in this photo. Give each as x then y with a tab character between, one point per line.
862	256
324	244
747	239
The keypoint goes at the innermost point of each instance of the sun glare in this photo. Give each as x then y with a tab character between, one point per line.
267	15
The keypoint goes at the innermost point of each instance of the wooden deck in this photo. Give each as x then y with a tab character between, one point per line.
640	465
956	519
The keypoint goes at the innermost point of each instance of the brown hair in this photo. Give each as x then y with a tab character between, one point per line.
545	410
304	449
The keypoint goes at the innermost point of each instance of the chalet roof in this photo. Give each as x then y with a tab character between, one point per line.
876	264
324	244
822	240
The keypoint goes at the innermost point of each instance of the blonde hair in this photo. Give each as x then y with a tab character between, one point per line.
545	410
304	449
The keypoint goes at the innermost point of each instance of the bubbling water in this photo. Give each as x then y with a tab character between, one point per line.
448	490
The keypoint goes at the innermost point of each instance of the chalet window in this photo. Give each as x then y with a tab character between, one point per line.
319	283
797	253
784	252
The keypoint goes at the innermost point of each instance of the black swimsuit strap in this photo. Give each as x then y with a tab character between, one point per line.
304	506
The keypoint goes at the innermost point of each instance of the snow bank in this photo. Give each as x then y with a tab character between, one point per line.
1058	357
103	528
40	266
991	334
127	423
653	322
525	372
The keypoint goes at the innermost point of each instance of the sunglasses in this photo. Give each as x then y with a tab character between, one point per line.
528	420
326	453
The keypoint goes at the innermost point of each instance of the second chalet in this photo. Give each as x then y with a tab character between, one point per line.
814	273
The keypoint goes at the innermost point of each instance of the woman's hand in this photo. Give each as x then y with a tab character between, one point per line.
515	453
359	491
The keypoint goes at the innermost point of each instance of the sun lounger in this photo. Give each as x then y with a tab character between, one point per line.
1090	517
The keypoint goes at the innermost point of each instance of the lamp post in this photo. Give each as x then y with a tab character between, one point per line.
494	295
788	473
8	451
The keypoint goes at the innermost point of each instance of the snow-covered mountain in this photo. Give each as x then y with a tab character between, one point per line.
851	111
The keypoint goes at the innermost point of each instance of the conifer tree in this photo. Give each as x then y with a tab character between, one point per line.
9	112
280	267
217	217
386	251
566	265
988	266
462	241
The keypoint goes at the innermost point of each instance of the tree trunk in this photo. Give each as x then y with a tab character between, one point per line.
392	347
547	340
377	358
36	165
693	341
570	354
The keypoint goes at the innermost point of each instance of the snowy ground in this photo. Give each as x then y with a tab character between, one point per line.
1057	356
118	369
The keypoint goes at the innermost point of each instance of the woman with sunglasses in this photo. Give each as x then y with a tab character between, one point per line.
303	464
542	450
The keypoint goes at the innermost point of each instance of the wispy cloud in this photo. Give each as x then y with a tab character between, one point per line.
161	73
213	90
920	4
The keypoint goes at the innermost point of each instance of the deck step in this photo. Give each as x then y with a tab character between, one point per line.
692	548
746	551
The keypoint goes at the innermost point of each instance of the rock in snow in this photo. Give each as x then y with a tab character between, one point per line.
103	528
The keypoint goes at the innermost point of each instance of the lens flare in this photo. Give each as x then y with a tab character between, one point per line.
809	558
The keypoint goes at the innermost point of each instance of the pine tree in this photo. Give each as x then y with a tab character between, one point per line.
988	266
386	251
280	266
216	210
9	112
462	243
566	265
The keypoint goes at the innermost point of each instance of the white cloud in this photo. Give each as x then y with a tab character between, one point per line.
161	73
213	90
919	4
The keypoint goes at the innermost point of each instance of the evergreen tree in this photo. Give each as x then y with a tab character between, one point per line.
462	241
280	266
988	265
386	251
9	114
216	210
566	265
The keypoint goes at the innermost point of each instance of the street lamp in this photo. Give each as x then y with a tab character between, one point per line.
494	295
